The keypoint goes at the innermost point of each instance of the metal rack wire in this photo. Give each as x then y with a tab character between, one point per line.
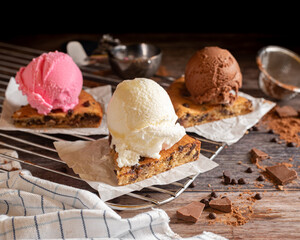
27	144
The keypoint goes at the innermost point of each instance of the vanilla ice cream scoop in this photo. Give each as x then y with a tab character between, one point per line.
142	121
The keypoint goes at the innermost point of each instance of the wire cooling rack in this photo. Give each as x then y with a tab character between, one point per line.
36	150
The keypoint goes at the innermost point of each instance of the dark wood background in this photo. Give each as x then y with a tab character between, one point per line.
277	215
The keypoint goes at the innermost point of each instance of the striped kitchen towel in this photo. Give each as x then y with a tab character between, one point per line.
33	208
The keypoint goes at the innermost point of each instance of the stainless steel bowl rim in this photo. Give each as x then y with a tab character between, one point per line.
132	44
262	69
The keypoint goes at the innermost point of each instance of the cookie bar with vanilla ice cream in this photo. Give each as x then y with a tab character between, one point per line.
145	136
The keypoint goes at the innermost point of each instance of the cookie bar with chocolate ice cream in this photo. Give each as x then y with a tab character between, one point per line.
209	90
190	113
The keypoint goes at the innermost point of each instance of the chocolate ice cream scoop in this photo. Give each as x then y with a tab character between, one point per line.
213	75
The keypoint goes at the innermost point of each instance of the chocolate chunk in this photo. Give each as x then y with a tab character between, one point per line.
47	118
70	112
241	181
196	155
271	131
190	212
86	103
291	144
225	111
212	215
202	118
281	174
180	121
257	196
192	185
170	158
260	178
221	204
227	181
254	128
227	177
186	105
205	202
180	148
257	155
56	110
249	170
226	174
214	194
286	111
233	182
275	139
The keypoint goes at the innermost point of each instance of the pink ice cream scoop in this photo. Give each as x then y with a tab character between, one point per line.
51	81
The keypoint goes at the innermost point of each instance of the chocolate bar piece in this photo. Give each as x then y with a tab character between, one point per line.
191	212
221	204
286	111
257	155
281	174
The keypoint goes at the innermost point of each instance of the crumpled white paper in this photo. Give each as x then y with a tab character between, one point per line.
14	100
92	161
7	164
231	130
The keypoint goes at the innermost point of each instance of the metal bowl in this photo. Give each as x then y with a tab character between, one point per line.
280	72
135	60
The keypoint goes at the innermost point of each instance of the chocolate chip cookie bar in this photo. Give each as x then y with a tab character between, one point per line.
87	113
191	114
184	151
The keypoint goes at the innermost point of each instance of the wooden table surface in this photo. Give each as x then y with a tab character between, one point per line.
277	214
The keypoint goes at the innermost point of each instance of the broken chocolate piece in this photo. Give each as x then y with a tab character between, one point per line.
221	204
257	196
291	144
214	194
233	182
241	181
205	201
86	103
212	215
186	105
275	139
286	111
70	112
257	155
281	174
254	128
191	212
271	131
227	177
260	178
